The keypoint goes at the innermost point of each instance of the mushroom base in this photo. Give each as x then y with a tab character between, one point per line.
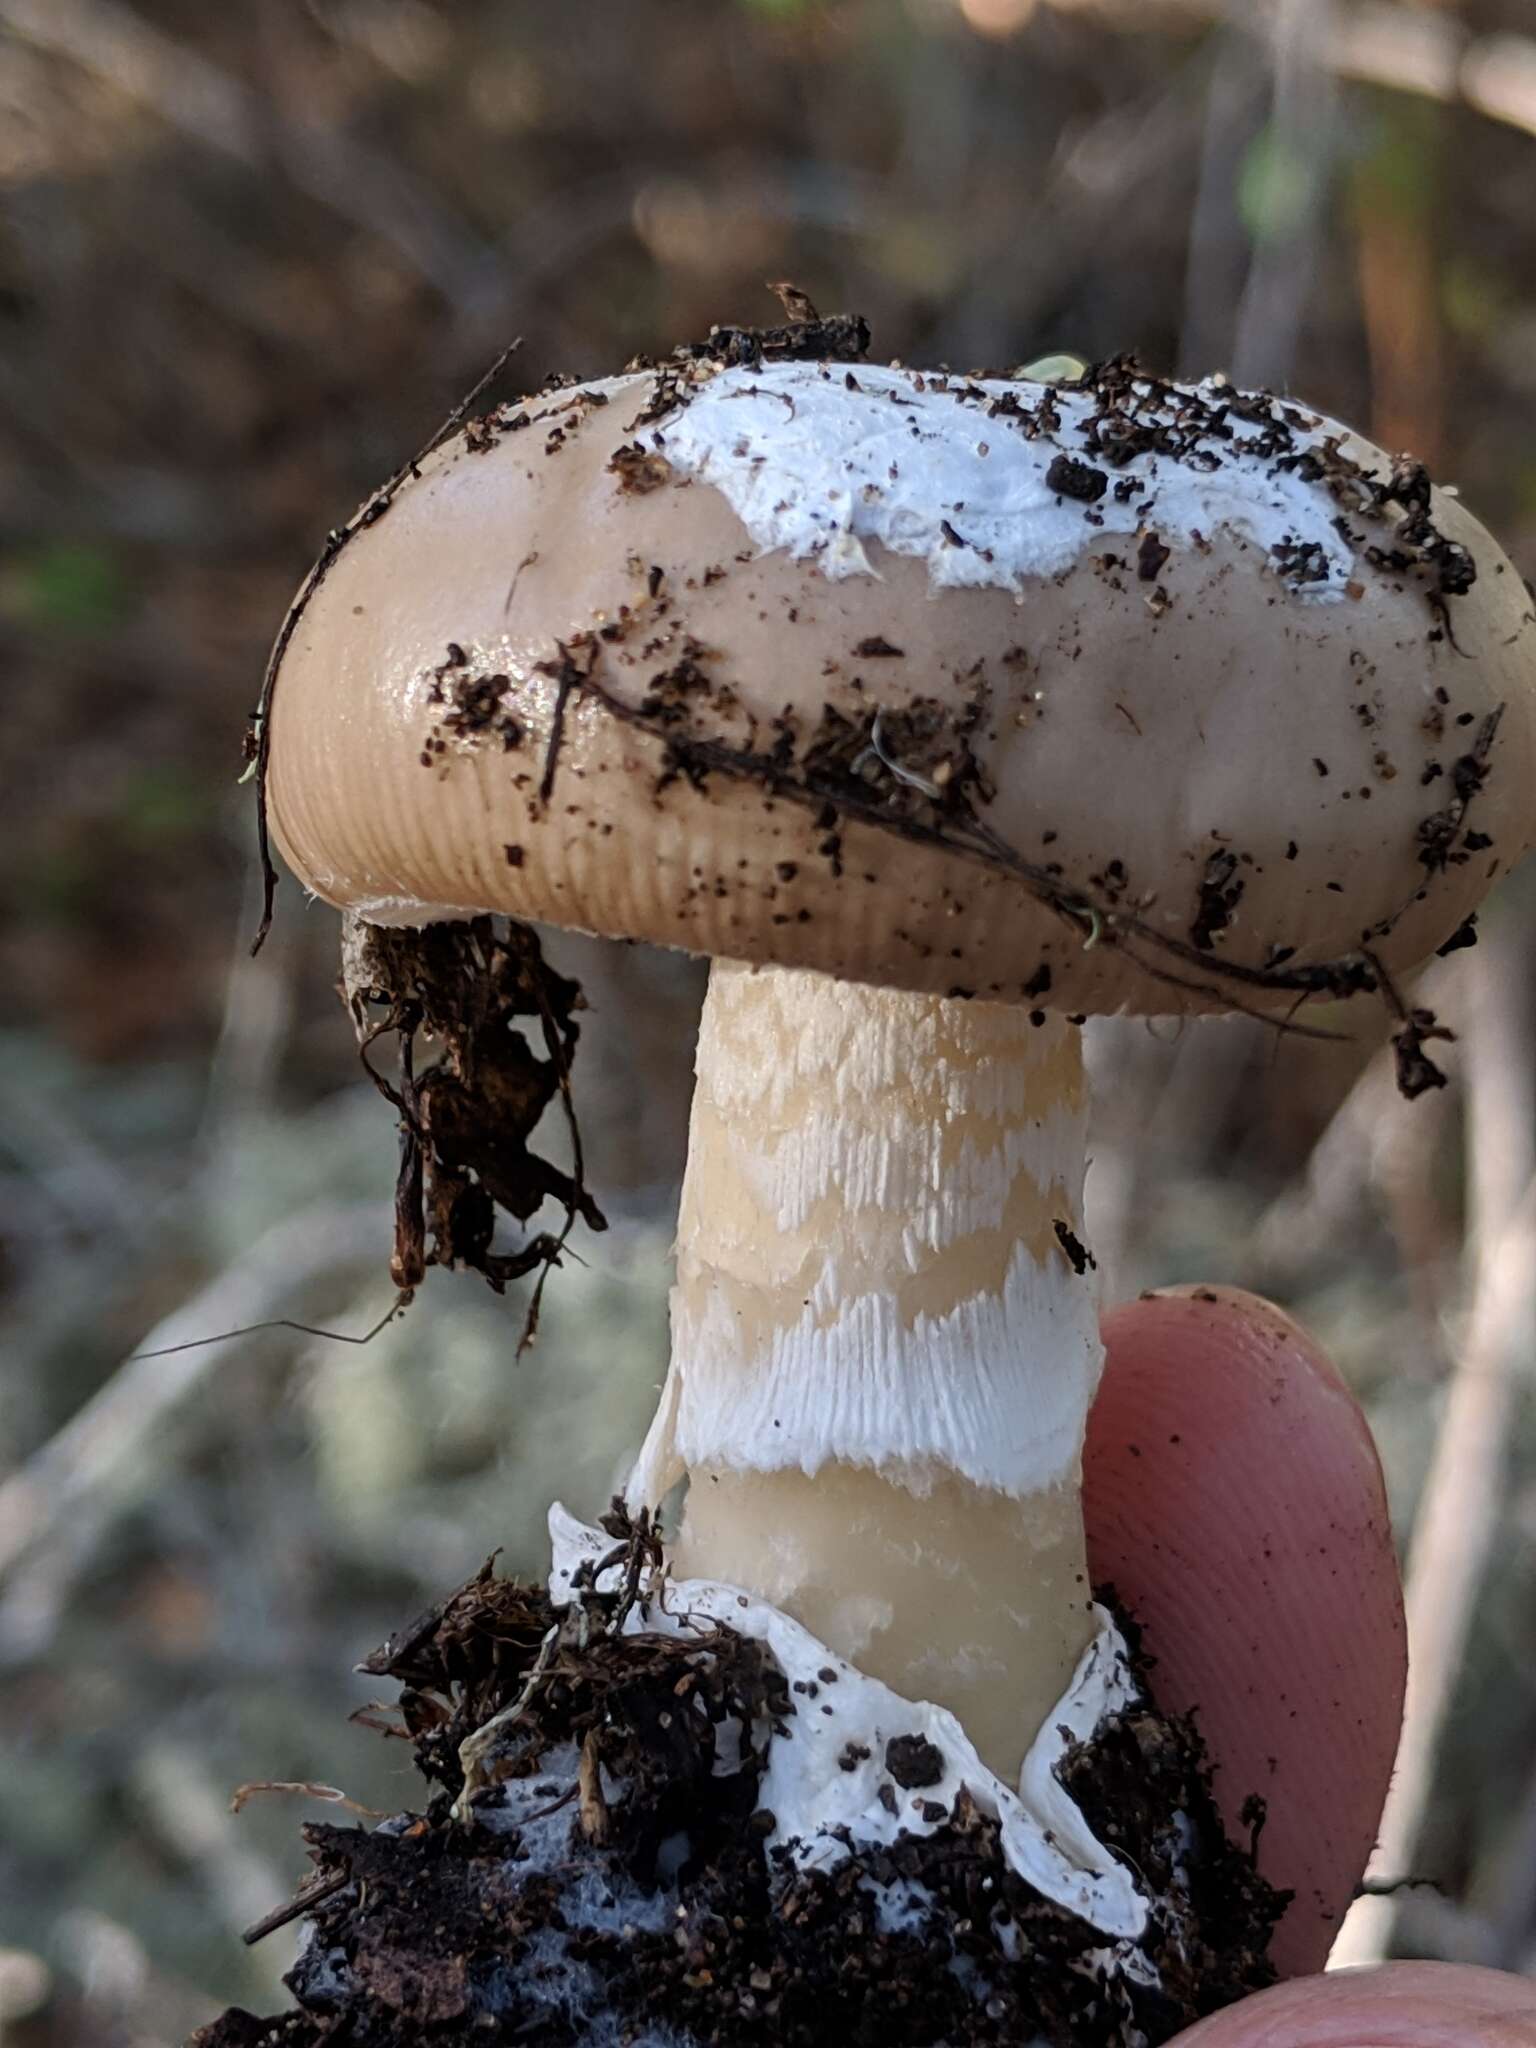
969	1596
615	1877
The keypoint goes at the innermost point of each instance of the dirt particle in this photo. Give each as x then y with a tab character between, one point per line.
1078	1255
639	469
1070	478
1151	553
914	1762
1220	892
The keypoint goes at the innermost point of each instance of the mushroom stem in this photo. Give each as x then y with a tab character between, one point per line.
884	1336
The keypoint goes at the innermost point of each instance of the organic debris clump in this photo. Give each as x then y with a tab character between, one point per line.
466	1120
593	1864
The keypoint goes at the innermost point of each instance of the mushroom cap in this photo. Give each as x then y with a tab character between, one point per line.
921	681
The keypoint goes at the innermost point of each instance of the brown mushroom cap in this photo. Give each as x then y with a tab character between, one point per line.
1168	728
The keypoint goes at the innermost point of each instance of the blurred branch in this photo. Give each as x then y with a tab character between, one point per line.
1424	51
1513	1887
1400	299
1459	1510
1162	1089
1301	138
1214	266
1374	1141
1435	56
113	1995
1433	1925
86	1186
257	1015
192	1817
58	1507
1018	264
199	100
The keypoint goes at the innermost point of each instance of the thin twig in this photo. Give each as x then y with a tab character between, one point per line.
555	1046
1459	1509
312	1895
563	687
400	1302
68	1490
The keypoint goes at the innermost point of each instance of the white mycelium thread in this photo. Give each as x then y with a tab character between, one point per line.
819	458
822	1809
869	1267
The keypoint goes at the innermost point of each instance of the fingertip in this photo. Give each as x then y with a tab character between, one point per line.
1234	1500
1402	2005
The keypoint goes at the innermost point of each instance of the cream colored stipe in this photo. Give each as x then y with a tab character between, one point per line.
967	1597
871	1265
883	1350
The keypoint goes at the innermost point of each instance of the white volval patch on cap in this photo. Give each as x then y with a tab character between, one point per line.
820	1807
819	458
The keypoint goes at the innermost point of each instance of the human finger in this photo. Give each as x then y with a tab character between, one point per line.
1400	2005
1234	1501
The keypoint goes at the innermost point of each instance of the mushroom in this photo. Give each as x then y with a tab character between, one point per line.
940	712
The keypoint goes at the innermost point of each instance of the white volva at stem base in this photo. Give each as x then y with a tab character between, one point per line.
883	1349
827	1765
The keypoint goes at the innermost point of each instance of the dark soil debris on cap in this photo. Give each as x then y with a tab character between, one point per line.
804	337
473	707
673	694
1220	892
1151	553
669	1924
1075	479
639	469
1138	413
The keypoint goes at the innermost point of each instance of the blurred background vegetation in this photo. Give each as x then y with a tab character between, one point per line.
249	254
